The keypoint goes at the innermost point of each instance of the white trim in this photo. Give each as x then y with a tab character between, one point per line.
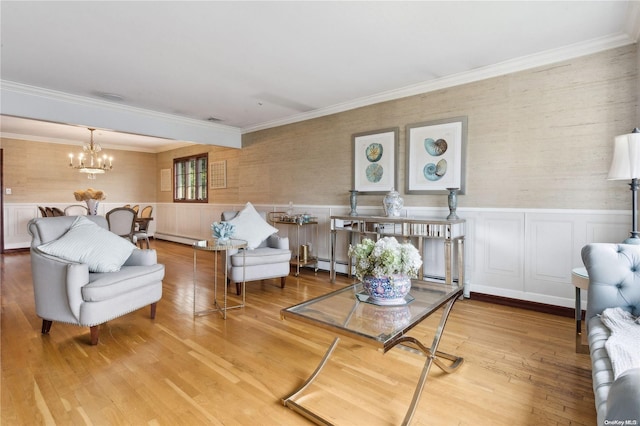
506	67
521	295
46	139
21	100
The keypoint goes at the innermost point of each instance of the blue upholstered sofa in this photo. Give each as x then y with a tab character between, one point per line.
614	281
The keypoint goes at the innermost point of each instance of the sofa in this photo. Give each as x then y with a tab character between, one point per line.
83	274
267	255
613	306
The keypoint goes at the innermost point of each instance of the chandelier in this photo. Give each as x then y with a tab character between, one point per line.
89	161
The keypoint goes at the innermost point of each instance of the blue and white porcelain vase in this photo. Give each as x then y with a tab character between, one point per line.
389	290
392	203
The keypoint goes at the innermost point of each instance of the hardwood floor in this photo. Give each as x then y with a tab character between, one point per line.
520	366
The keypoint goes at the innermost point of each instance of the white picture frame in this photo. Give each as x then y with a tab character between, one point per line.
435	156
375	161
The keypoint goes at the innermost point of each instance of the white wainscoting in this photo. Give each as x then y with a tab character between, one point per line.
520	254
18	215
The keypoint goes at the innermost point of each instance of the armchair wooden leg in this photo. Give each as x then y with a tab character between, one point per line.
95	331
283	281
153	310
238	289
46	326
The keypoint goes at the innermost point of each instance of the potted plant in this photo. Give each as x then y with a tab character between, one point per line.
386	268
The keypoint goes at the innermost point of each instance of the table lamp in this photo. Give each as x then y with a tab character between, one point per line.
626	165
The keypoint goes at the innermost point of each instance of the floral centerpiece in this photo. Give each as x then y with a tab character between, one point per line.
386	268
92	197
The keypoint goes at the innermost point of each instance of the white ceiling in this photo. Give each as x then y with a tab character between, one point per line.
254	65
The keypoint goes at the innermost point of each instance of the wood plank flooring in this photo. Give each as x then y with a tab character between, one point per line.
520	366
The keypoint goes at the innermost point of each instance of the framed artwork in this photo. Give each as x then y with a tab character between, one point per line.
218	174
436	156
375	161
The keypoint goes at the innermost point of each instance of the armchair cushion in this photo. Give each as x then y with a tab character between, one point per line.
261	256
86	242
251	227
106	286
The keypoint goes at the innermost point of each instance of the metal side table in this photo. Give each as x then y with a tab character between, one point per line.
217	248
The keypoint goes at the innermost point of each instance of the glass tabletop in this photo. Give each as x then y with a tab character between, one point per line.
347	312
216	245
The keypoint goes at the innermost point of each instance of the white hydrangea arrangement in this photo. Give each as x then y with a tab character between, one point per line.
385	257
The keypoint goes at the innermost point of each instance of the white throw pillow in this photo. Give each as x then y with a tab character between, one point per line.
251	227
89	243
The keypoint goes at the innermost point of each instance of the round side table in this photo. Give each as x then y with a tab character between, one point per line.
222	248
580	280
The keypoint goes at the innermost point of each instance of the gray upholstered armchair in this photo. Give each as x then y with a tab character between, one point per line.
268	255
110	277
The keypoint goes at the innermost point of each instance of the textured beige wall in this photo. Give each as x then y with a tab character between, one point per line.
540	138
37	172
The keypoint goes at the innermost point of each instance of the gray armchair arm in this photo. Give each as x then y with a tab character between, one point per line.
142	258
276	241
57	286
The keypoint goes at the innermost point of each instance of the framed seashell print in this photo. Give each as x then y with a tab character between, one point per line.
435	158
375	161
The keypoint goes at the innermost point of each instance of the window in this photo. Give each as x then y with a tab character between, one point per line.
190	179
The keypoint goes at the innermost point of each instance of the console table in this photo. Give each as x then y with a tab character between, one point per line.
375	227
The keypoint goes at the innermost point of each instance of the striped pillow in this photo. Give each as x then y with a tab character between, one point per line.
87	242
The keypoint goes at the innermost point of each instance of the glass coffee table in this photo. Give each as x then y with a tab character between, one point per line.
348	312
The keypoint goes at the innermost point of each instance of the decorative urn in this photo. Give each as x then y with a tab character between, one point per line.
393	203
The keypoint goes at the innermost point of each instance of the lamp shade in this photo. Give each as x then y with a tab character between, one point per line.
626	157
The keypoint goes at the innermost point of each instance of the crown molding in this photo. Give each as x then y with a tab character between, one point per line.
21	100
48	139
113	106
483	73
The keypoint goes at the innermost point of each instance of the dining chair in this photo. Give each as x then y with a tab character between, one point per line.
136	208
57	212
76	210
43	212
146	211
122	222
142	226
48	211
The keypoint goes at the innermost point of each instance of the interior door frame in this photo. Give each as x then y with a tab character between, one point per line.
1	203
